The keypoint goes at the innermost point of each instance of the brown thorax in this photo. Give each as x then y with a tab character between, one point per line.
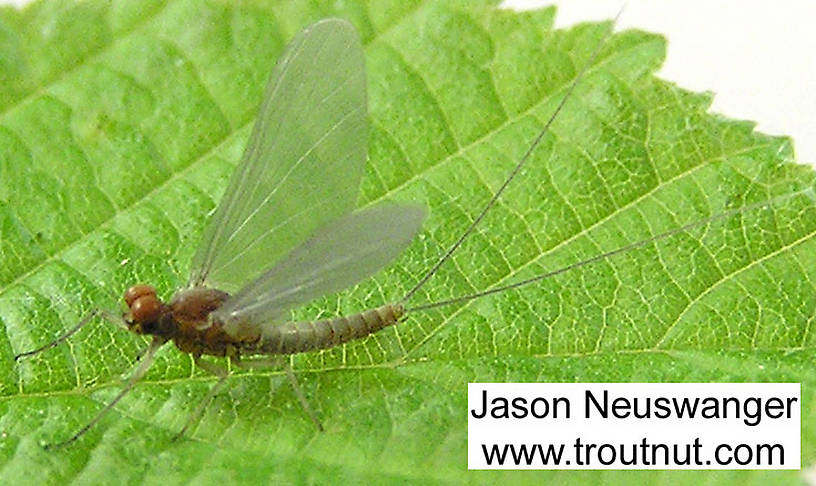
185	318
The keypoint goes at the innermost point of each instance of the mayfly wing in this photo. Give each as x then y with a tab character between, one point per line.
303	163
338	255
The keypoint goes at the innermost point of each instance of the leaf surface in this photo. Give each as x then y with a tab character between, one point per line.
121	123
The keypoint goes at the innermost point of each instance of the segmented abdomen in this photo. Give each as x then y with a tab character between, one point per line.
299	337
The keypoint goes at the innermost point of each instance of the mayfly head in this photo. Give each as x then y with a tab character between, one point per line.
144	309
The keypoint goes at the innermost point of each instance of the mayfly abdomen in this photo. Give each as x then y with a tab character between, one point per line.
299	337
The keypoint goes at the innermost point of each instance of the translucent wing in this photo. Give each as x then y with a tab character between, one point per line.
335	257
302	166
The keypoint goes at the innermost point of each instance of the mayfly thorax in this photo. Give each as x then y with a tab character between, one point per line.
267	249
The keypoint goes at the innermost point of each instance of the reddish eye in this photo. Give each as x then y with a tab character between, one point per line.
140	290
145	309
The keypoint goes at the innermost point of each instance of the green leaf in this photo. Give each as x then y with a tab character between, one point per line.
121	122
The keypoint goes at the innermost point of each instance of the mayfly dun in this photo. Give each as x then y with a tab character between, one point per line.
291	205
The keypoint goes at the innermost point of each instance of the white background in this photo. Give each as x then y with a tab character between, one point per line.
757	56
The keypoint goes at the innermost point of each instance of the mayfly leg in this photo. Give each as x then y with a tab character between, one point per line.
290	374
262	363
523	160
218	371
147	360
222	374
257	363
108	316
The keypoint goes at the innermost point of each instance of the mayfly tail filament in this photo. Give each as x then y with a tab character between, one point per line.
809	192
530	150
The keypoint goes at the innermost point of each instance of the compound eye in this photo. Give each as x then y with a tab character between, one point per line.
146	308
140	290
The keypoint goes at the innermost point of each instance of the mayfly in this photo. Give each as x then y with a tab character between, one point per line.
291	203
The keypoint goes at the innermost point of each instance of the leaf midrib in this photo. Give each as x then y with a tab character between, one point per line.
87	391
